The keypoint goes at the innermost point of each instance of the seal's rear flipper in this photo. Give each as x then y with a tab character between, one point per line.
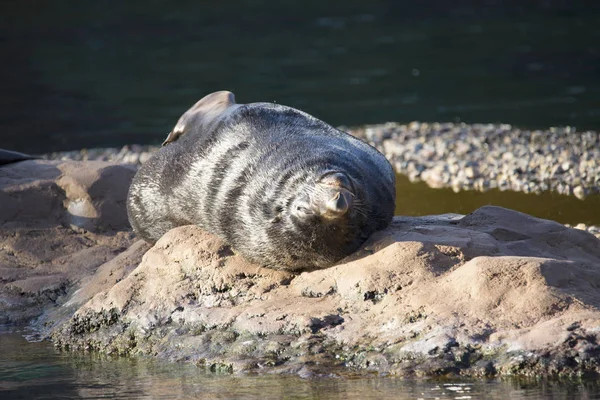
9	156
204	113
173	136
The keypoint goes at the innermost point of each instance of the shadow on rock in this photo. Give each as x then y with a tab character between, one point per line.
51	233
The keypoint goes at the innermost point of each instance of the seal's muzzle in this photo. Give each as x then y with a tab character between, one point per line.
334	195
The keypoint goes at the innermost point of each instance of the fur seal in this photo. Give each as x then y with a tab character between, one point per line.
284	189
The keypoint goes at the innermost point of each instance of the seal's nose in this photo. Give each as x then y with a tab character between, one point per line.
338	205
335	190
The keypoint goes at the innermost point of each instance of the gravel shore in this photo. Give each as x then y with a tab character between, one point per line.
481	157
460	156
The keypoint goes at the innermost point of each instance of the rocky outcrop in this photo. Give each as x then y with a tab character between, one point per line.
495	292
59	221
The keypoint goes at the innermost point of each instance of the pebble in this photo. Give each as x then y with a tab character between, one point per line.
594	230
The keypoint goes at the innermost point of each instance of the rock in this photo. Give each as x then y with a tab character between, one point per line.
470	172
59	221
496	292
580	192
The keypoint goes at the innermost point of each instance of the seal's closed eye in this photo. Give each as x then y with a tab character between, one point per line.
303	211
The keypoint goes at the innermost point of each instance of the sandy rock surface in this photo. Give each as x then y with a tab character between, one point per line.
495	292
59	221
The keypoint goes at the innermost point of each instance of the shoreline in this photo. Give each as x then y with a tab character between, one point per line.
463	157
488	156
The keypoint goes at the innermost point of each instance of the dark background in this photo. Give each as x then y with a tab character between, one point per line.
96	73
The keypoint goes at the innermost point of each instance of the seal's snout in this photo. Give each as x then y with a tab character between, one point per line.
338	205
335	194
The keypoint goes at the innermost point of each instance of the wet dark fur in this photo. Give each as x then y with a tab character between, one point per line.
241	179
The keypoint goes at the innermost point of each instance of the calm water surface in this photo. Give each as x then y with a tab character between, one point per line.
97	73
419	199
85	74
37	371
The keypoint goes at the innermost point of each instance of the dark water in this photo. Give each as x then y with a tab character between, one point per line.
37	371
100	73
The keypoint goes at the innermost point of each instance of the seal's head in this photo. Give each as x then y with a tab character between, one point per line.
323	218
329	199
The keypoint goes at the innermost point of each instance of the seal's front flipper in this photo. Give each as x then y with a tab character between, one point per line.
202	115
9	156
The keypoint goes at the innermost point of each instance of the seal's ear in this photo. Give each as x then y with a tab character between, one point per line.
203	114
